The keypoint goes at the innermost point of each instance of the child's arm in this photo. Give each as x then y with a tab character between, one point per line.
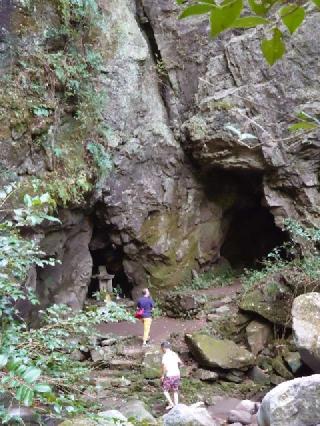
163	371
181	363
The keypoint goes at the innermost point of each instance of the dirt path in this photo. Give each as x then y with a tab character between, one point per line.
160	330
162	327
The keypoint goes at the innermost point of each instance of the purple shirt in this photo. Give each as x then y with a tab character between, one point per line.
147	304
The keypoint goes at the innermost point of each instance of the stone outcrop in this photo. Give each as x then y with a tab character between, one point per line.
170	92
258	335
67	282
153	205
137	410
232	85
270	300
213	353
292	403
184	415
306	328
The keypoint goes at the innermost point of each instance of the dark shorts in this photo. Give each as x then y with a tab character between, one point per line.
171	383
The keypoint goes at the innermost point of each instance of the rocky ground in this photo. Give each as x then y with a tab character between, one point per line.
232	359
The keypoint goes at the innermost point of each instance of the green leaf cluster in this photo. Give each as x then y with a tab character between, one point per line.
230	14
305	122
36	366
56	75
101	158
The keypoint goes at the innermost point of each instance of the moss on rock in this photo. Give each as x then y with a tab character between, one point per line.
210	352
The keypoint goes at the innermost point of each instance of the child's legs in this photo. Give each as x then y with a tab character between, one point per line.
146	328
176	397
168	397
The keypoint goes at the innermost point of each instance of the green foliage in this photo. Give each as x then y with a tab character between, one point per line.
292	16
101	158
221	18
221	277
36	367
19	254
273	49
54	83
228	14
306	122
65	190
303	265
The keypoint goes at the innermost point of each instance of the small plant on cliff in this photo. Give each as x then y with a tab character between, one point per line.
298	259
223	276
281	19
53	85
101	158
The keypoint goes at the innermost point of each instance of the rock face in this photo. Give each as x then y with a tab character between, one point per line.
292	403
270	301
184	305
67	282
258	335
210	352
306	328
183	415
153	205
239	89
162	214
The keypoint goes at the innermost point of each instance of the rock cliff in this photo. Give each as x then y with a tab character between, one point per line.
186	185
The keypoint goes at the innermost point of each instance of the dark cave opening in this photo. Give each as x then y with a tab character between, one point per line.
251	232
110	257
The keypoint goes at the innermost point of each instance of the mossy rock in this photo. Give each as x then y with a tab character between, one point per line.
151	366
275	308
213	353
281	369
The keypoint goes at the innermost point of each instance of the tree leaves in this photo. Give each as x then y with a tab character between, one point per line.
3	360
306	122
196	9
249	22
260	7
274	48
226	14
25	395
223	17
302	125
42	388
292	16
32	374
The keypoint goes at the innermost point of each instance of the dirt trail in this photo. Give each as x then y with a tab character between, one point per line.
160	330
162	327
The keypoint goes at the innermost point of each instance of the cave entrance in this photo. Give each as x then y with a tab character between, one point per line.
109	259
251	232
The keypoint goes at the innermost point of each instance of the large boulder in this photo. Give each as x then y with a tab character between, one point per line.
137	410
183	415
183	305
67	281
258	335
306	328
151	365
270	300
211	352
292	403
